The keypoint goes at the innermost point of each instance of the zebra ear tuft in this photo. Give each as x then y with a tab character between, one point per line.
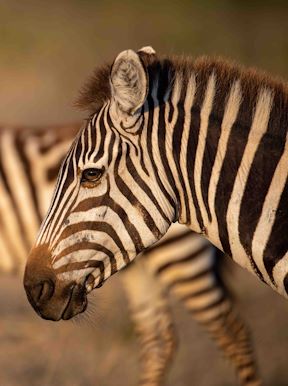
129	82
147	50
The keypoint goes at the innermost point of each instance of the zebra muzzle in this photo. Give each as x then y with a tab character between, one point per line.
51	296
40	293
77	302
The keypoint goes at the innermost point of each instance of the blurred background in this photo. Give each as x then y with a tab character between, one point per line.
47	49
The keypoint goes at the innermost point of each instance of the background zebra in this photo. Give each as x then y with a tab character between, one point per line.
187	266
182	262
29	162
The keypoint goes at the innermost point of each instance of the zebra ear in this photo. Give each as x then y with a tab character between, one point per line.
148	50
129	82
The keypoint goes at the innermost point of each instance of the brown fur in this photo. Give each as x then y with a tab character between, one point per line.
251	81
97	89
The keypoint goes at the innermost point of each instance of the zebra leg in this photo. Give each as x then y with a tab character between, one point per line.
205	296
153	323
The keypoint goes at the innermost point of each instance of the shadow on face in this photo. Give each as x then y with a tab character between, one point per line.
51	298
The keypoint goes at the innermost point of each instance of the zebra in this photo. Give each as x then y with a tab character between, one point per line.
202	142
31	158
181	264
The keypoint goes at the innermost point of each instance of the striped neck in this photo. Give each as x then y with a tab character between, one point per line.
226	147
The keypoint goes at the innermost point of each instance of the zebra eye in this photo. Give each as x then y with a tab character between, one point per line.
91	175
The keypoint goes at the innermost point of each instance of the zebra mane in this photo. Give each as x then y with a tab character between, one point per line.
165	69
96	90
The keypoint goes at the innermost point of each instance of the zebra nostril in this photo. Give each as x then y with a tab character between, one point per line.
42	292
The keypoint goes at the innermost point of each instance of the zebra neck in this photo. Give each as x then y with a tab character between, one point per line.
193	118
228	151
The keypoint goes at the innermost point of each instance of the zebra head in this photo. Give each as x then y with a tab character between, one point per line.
111	200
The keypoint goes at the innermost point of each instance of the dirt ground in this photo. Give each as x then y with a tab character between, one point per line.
101	350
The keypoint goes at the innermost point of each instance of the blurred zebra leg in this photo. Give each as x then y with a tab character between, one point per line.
205	296
190	268
152	321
